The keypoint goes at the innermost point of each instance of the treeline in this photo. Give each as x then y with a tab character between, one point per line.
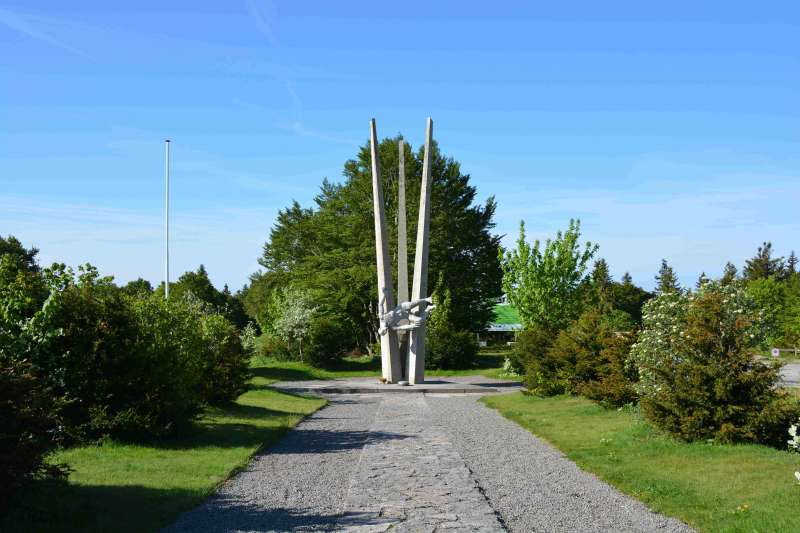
315	300
83	359
686	356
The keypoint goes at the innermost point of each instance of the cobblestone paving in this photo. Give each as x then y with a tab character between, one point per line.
415	484
411	462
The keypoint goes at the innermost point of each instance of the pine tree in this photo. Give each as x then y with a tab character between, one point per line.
601	283
729	273
791	263
630	298
666	280
763	265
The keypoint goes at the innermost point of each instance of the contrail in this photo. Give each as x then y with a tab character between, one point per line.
16	22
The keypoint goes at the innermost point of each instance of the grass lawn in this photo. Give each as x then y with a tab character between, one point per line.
489	364
123	487
745	488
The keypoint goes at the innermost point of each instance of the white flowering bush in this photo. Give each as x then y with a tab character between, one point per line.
660	342
697	377
794	432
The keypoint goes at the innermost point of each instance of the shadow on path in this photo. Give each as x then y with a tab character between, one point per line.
327	441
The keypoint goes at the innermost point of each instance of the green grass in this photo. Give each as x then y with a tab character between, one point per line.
745	488
489	364
125	487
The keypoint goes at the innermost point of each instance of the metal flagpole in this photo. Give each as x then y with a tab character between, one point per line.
166	225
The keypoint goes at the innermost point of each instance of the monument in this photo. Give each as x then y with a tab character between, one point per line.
402	326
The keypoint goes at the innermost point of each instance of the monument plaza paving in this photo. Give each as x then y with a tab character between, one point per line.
373	462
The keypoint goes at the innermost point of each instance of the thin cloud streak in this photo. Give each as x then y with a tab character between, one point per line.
19	24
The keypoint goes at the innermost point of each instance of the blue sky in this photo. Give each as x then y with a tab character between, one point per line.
670	131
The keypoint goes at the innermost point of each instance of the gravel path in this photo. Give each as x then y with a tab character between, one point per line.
412	462
532	485
300	483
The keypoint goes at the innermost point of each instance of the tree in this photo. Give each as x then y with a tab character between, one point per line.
601	284
763	265
666	280
729	273
697	375
544	283
24	257
630	298
791	263
257	294
329	250
199	284
292	312
448	347
138	287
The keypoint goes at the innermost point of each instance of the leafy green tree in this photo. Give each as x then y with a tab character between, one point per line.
30	410
763	265
329	249
199	284
292	311
24	257
139	288
770	296
257	295
666	280
544	283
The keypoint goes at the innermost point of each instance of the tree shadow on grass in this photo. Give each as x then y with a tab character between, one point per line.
59	506
274	373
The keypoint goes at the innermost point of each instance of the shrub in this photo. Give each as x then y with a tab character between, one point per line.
273	347
329	337
794	442
447	346
129	366
249	339
587	358
30	426
159	390
697	377
451	350
224	362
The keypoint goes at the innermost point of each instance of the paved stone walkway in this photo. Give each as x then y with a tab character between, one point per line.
415	462
416	484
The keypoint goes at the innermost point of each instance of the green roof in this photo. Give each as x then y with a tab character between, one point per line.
505	314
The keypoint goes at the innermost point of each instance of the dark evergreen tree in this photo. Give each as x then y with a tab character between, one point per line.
729	273
601	285
666	280
791	264
763	265
630	298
